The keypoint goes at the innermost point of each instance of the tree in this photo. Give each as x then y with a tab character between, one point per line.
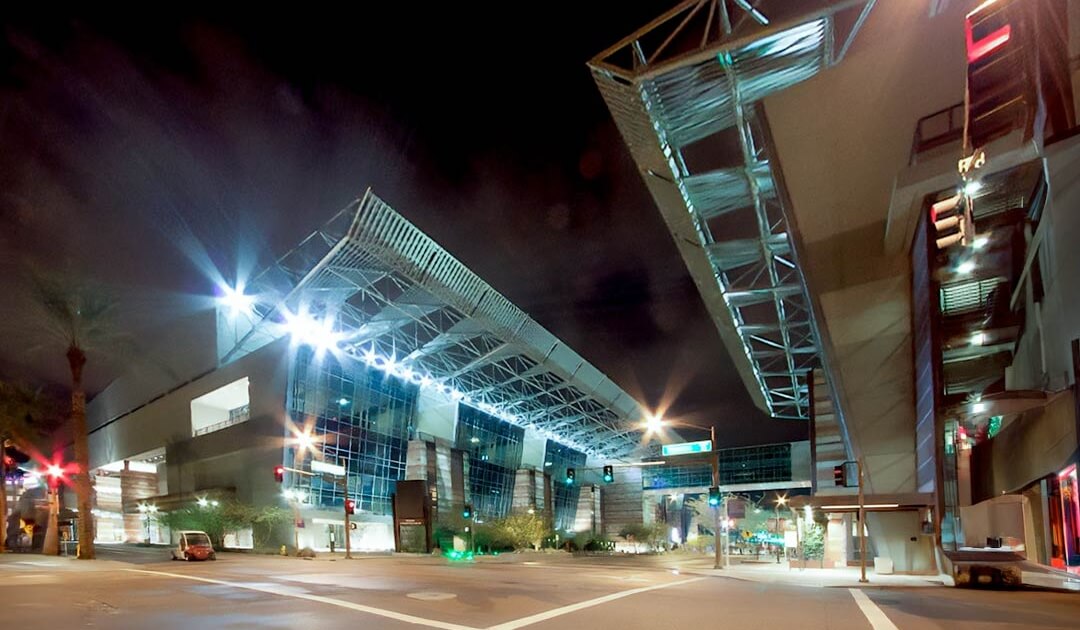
636	533
18	406
221	518
81	319
522	530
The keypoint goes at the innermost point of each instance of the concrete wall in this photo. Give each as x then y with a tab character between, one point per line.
222	459
533	450
898	536
841	138
436	415
188	353
1038	443
1045	360
621	501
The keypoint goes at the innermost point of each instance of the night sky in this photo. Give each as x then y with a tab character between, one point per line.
142	149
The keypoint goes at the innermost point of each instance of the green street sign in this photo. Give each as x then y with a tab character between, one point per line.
687	448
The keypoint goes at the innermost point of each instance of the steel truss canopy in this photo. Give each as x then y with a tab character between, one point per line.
372	286
685	92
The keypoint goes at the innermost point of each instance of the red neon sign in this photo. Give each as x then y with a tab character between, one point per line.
978	49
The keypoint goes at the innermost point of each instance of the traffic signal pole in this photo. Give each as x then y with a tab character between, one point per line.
718	562
862	525
348	531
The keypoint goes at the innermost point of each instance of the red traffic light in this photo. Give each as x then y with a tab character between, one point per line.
55	473
279	473
350	506
839	474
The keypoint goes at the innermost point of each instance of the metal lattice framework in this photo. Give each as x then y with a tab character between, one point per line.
685	93
403	304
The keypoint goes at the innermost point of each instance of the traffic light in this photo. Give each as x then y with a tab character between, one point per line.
952	223
714	496
55	474
279	473
350	506
839	475
609	474
570	476
466	512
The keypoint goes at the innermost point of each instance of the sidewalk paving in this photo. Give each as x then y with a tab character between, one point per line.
845	577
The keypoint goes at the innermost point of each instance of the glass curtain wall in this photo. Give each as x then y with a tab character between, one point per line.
564	496
494	447
359	418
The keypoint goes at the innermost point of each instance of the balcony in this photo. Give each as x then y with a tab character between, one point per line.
938	134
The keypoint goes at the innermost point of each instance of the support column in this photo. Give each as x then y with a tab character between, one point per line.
134	487
621	502
525	491
587	510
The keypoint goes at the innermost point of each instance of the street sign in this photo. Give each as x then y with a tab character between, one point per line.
687	448
324	467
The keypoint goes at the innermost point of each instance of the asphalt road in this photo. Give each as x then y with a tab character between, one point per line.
140	588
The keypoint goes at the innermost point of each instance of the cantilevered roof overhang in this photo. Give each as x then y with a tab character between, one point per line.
685	92
372	286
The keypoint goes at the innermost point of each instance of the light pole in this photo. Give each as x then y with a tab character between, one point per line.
654	423
780	500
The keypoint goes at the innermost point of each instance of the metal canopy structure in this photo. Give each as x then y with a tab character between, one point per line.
372	286
685	92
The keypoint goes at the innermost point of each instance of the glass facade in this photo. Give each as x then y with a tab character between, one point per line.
564	497
655	477
755	464
361	419
494	447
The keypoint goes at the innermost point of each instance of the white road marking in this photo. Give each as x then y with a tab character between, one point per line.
557	612
273	590
876	617
431	596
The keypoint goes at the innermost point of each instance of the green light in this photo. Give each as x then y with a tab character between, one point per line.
995	426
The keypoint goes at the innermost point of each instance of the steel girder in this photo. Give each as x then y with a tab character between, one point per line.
685	92
393	293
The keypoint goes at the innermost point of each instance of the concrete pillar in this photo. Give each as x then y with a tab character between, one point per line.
621	502
836	541
444	476
416	460
525	497
134	487
588	510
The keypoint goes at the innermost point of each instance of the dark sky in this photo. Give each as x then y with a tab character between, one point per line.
143	148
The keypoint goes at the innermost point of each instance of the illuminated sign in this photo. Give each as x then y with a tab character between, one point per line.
687	448
323	467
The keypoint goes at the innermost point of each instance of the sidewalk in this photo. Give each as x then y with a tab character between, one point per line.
846	577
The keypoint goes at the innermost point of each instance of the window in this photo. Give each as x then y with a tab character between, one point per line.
221	408
494	447
361	419
557	458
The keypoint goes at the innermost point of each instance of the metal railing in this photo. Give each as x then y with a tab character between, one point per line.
937	129
236	416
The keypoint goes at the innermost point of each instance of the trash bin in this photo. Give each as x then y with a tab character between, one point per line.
883	566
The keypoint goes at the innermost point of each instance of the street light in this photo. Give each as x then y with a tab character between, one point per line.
654	422
147	510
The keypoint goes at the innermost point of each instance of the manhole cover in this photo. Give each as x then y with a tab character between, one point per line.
431	596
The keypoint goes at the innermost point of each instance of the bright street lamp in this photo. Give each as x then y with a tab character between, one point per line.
654	422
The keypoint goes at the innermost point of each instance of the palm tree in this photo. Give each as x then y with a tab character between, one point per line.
20	407
80	318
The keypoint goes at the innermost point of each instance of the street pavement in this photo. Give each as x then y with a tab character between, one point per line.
137	587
